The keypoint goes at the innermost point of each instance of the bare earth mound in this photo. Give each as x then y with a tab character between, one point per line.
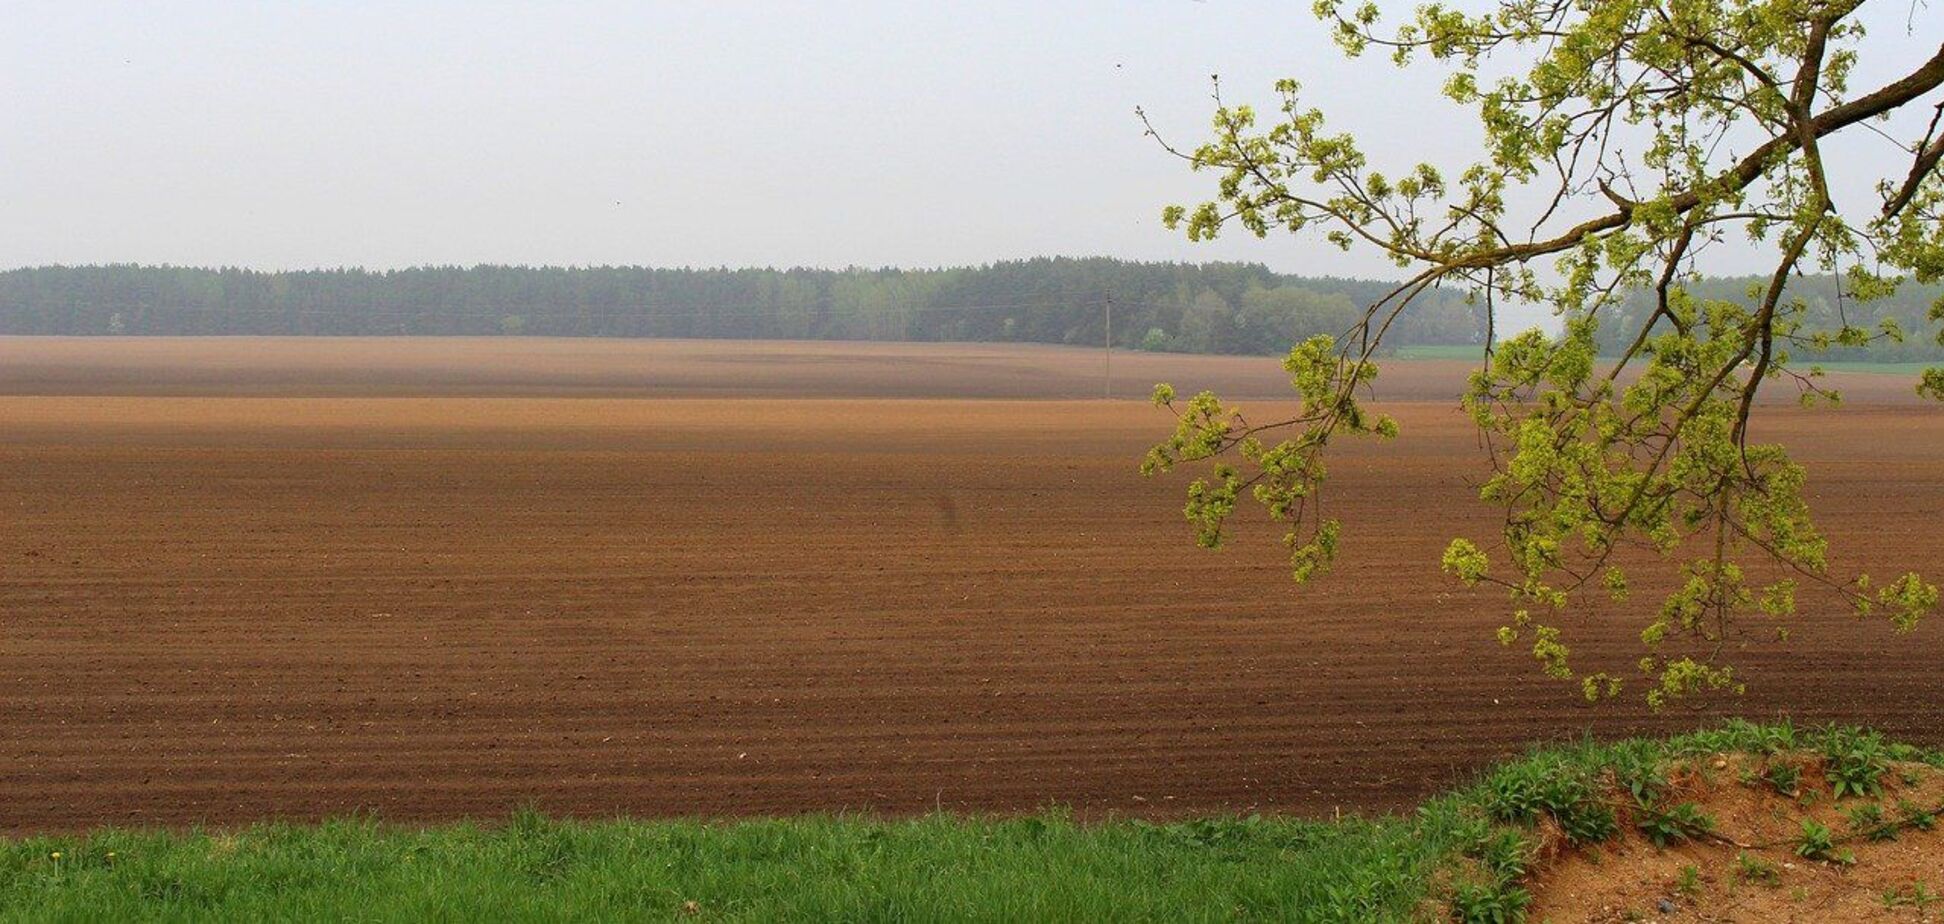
1752	867
292	579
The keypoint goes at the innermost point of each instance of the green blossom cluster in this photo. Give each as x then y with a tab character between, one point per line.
1659	127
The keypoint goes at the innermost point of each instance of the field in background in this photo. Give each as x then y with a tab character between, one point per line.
299	578
591	367
588	367
1441	351
1892	369
1472	354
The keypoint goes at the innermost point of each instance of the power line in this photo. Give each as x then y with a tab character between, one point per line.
1109	352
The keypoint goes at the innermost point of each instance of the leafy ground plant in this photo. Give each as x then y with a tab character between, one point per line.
1751	869
1857	761
1818	842
1785	777
1914	895
1677	823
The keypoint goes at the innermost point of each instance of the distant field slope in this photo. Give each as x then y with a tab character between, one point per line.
564	367
568	367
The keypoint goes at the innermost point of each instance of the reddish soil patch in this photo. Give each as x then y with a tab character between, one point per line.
222	609
1749	870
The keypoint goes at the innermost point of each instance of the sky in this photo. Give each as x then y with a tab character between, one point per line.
280	135
833	133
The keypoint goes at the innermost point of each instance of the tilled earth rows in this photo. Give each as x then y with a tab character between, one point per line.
221	609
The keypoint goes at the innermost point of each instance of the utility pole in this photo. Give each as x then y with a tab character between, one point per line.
1110	347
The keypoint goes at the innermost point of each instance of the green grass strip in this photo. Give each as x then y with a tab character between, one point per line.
936	868
817	868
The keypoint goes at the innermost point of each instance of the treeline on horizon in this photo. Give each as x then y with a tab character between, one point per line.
1180	307
1199	308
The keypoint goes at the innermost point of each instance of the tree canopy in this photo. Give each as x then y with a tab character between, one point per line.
1622	142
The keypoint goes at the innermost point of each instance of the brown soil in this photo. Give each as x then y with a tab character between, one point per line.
1749	869
218	609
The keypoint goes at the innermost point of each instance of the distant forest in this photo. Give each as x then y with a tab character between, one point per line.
1179	307
1200	308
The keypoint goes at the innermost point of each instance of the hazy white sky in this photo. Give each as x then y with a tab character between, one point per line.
818	133
669	133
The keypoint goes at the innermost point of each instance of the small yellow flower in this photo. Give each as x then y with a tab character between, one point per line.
55	855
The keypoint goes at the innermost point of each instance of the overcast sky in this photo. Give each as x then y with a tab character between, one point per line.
667	133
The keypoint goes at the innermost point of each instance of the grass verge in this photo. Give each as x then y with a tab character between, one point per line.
1465	855
533	868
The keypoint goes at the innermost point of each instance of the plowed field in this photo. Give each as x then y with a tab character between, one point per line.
284	578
